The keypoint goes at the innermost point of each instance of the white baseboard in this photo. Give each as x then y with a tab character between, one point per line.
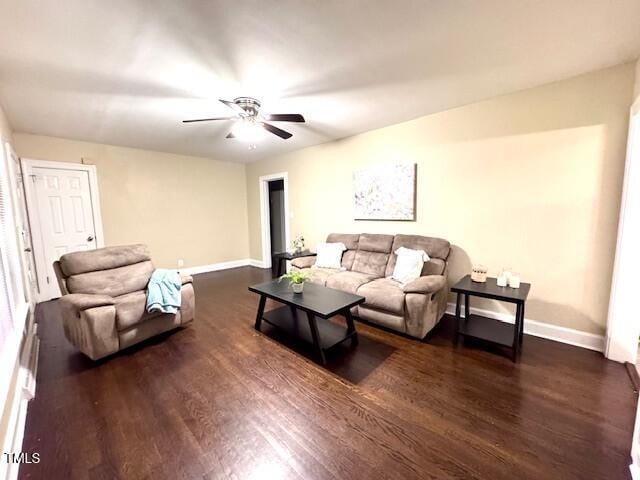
257	263
214	267
556	333
25	390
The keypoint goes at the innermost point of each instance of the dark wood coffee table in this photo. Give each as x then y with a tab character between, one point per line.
488	329
315	301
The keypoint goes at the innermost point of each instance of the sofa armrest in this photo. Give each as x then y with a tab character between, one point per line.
303	262
84	301
426	284
184	279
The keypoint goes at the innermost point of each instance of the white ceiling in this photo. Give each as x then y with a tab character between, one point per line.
126	72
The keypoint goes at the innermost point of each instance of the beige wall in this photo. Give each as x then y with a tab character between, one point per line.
184	207
530	180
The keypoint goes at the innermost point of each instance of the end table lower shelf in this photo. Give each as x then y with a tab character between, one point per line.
488	329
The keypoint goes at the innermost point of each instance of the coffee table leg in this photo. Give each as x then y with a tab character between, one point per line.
316	336
263	300
351	328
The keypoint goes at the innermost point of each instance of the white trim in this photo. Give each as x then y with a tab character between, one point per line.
25	390
635	471
214	267
8	358
623	326
28	164
258	263
556	333
264	214
21	220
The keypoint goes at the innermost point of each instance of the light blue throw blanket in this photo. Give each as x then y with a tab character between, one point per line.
163	291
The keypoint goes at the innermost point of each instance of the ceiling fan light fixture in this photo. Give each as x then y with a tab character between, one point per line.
248	130
250	125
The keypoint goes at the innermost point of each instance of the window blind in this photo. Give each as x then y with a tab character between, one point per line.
6	313
11	291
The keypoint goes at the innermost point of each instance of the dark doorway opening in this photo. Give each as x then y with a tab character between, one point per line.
276	218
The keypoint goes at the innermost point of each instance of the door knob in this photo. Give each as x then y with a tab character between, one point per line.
90	238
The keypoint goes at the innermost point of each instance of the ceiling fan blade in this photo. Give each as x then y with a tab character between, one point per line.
230	135
285	117
233	106
207	119
276	131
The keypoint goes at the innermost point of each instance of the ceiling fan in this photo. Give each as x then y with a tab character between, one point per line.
250	123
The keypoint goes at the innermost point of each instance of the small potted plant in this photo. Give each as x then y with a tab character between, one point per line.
296	280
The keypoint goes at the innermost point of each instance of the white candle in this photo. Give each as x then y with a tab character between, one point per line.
514	281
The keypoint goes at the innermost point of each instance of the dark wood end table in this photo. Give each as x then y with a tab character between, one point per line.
488	329
315	301
281	258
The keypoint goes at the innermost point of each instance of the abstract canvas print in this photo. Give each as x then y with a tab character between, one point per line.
385	192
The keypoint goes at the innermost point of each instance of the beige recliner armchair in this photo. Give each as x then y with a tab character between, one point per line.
103	299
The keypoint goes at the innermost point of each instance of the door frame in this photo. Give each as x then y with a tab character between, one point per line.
28	164
25	241
622	335
265	213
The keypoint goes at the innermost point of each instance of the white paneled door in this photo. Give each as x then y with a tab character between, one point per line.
66	217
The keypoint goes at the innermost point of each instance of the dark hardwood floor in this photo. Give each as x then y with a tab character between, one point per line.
220	400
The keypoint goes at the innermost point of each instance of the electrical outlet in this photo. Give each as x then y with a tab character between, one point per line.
180	262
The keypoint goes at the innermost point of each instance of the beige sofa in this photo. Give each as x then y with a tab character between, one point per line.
414	308
103	299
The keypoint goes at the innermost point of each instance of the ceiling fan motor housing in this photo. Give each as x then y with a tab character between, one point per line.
248	104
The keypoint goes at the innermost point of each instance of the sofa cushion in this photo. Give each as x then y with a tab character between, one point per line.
350	241
320	275
437	248
375	242
348	281
131	309
372	255
102	259
383	294
113	282
435	266
371	263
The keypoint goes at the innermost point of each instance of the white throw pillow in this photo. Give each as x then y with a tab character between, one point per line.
329	255
409	264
